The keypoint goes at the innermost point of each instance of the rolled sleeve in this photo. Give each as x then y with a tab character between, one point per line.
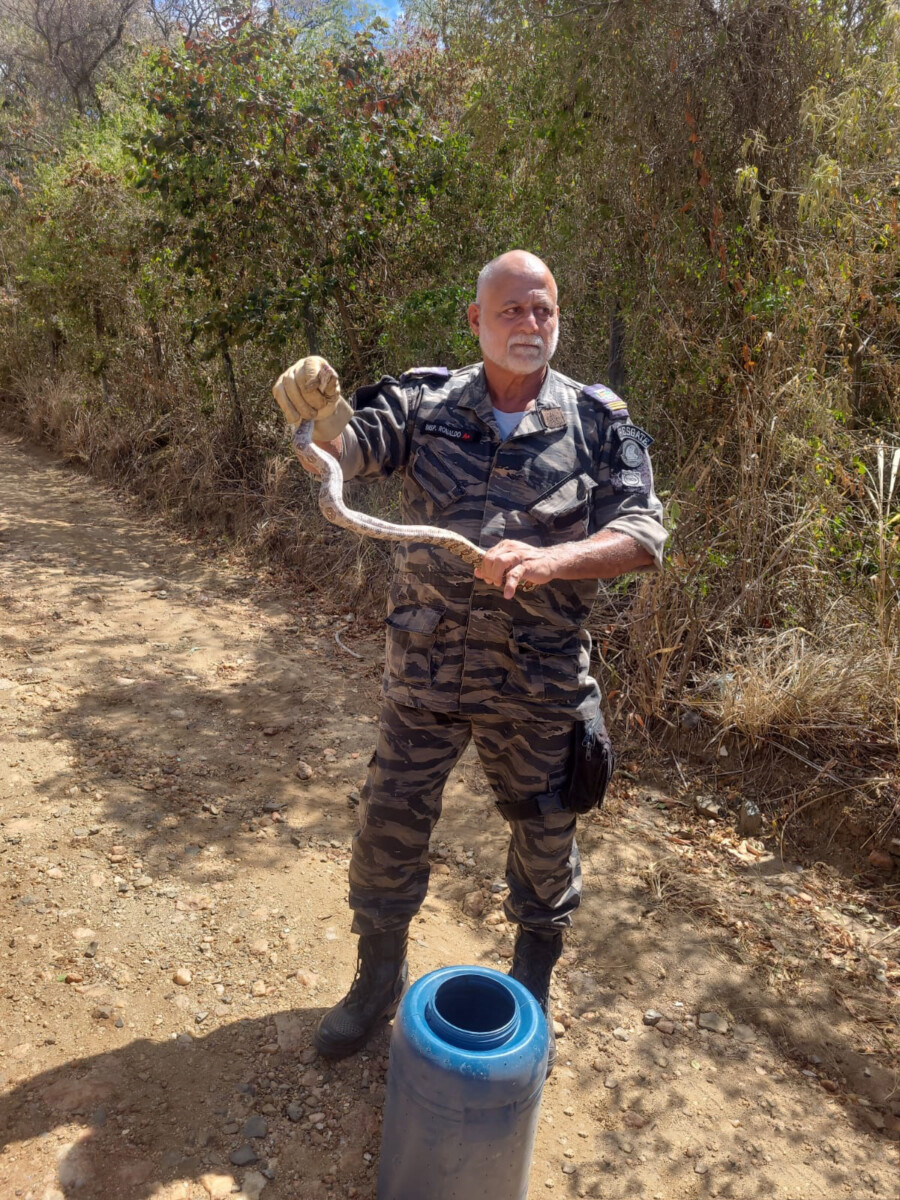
640	515
646	528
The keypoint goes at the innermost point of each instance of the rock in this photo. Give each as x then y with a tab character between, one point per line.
665	1026
559	1029
303	770
700	1168
74	977
217	1187
712	1021
610	1082
254	1182
307	979
709	807
74	1168
259	948
750	819
244	1156
255	1127
182	977
881	861
473	904
652	1017
72	1095
745	1033
294	1111
635	1120
258	988
620	1034
290	1032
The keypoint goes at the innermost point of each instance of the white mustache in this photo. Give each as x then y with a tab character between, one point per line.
531	339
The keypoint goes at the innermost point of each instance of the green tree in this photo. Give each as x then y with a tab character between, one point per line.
286	169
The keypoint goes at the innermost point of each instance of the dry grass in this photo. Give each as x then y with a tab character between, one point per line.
791	686
673	890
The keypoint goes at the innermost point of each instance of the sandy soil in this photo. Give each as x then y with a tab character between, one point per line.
156	712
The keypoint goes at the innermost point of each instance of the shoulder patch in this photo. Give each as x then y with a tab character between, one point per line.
416	374
607	399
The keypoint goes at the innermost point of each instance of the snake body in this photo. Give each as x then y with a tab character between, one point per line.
331	503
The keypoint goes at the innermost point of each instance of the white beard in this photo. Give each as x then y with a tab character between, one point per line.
521	353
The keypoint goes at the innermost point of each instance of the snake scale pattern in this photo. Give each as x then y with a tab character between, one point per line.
331	503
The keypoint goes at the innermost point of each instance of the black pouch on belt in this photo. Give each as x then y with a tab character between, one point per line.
593	762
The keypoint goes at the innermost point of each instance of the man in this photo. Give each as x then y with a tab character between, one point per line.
552	479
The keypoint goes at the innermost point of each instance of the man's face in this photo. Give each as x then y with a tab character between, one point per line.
517	320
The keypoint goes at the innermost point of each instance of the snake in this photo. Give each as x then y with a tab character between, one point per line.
331	504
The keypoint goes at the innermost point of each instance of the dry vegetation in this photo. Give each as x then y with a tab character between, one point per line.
720	177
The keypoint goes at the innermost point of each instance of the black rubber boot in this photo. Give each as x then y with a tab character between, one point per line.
382	976
535	956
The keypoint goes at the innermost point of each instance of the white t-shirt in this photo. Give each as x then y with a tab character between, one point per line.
507	421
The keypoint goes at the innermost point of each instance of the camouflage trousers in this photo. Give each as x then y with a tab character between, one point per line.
401	802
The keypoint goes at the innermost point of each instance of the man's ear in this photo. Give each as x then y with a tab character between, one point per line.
474	315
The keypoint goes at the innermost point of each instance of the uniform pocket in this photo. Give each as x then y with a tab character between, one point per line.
412	655
544	665
436	478
563	510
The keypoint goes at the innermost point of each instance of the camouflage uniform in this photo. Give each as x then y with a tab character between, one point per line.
461	661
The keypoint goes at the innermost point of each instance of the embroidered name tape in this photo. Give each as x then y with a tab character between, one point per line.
456	432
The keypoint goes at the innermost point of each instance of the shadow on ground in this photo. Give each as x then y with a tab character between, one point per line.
150	1113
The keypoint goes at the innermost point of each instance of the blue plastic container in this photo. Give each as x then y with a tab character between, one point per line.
467	1067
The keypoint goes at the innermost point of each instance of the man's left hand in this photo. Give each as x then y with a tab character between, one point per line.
510	563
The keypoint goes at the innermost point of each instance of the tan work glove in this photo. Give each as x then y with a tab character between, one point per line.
311	391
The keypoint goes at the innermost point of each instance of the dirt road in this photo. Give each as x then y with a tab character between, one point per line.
180	750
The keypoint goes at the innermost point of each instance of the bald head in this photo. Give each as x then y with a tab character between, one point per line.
519	264
515	315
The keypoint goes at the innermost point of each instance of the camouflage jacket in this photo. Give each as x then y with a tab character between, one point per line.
574	465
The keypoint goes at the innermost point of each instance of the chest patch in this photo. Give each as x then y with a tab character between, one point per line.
456	433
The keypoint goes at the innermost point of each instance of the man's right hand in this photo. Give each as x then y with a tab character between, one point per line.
311	391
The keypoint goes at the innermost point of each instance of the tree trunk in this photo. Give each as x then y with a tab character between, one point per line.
312	332
349	330
236	411
616	372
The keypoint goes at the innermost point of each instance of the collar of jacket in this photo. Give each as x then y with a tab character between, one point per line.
545	413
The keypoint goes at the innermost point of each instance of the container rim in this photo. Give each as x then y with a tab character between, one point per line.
473	1011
